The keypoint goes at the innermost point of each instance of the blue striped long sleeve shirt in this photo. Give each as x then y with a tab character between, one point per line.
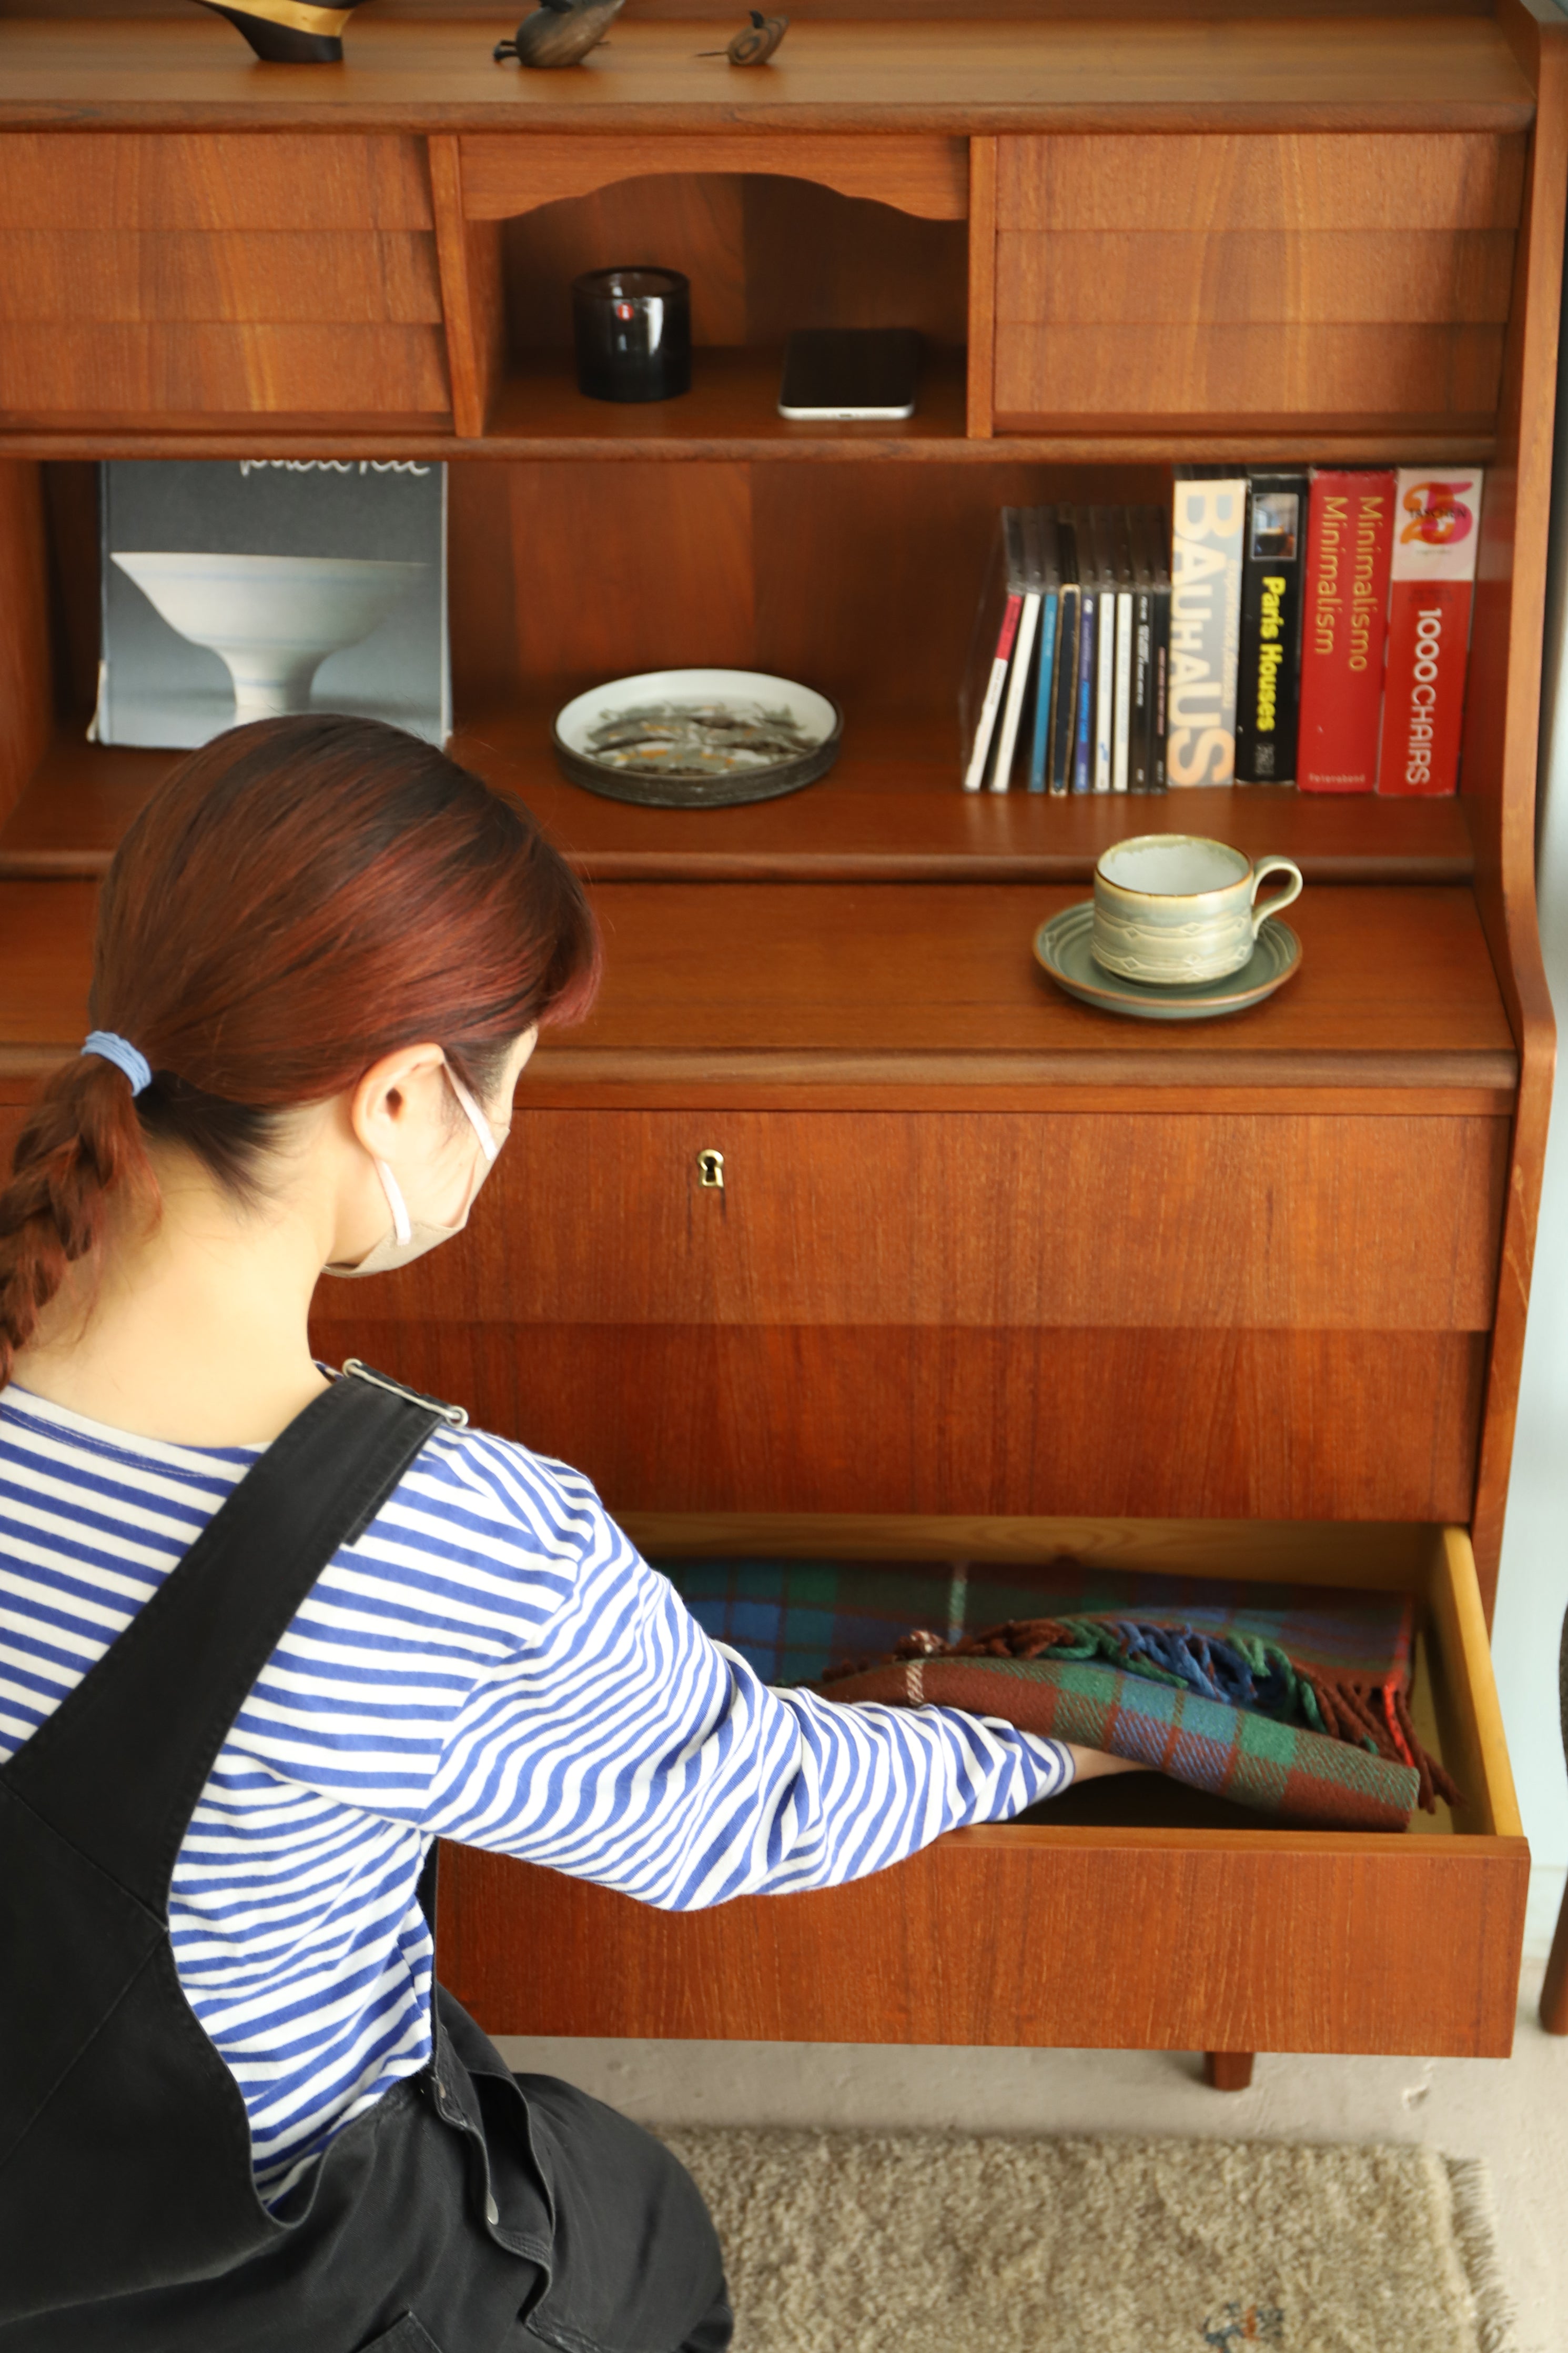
491	1662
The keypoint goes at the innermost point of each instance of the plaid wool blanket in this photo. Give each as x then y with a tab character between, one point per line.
1292	1700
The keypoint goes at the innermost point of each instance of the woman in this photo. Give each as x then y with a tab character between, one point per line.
324	955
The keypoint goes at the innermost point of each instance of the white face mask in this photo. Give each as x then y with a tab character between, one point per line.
411	1237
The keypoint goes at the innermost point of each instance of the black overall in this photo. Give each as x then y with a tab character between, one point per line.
468	2210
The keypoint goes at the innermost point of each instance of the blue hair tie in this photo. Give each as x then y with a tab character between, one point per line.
123	1054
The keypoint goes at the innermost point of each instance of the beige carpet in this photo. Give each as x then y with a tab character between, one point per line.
932	2243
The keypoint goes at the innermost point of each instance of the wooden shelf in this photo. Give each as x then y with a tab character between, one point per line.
782	987
890	811
1341	74
730	411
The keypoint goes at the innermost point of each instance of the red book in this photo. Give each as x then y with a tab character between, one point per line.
1437	527
1349	540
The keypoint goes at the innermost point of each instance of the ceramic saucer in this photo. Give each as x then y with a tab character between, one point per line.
1061	946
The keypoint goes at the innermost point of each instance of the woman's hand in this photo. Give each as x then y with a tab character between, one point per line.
1088	1764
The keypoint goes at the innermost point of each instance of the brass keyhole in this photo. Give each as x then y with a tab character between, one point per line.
710	1170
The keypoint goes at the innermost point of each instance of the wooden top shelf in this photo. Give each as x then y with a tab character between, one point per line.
1345	73
889	812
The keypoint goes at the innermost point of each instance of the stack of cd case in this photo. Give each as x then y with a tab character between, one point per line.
1065	686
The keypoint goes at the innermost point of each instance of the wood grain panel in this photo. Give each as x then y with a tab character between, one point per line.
768	968
678	591
142	371
1376	1555
600	1218
1330	277
1142	1939
425	12
329	278
1503	706
981	285
471	293
764	255
816	257
1265	180
785	984
1237	1425
1201	370
503	176
26	698
204	179
1468	1713
682	221
887	813
1344	276
950	77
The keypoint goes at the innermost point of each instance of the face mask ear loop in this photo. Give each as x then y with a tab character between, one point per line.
403	1230
476	1120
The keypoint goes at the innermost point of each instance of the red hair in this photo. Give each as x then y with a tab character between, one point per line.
297	898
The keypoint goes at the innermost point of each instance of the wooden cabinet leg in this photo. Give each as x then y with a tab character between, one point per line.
1228	2071
1554	1988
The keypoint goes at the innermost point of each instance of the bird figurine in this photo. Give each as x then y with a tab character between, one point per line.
755	42
561	33
289	32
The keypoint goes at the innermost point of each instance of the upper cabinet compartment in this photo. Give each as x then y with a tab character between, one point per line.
775	233
1254	281
153	280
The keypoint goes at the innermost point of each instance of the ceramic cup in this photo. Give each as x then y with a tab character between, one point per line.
1171	908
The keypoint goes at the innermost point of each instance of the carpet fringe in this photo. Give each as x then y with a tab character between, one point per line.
1475	2236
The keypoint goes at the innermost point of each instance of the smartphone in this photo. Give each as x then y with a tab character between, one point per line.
847	372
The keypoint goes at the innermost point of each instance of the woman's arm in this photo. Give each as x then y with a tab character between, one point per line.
624	1745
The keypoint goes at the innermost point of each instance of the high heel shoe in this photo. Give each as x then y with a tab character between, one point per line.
289	32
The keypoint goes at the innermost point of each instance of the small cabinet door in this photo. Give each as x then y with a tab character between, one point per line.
1352	279
158	275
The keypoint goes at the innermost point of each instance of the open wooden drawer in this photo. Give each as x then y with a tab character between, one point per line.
1131	1937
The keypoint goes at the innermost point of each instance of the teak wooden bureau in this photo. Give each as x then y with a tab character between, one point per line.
989	1272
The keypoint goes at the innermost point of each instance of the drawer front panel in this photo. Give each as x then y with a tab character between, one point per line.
694	1417
158	275
989	1221
1329	276
1086	1943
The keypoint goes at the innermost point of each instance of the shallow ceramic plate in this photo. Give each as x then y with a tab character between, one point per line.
749	695
1061	946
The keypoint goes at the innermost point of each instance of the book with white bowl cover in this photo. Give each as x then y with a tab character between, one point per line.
238	589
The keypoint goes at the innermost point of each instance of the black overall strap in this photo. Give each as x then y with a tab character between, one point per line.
125	2160
117	1769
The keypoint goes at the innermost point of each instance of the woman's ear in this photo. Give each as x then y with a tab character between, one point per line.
398	1100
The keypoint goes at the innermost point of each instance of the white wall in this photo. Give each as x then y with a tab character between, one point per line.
1534	1588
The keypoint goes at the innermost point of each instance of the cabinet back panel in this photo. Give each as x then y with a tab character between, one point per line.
1209	1425
990	1219
1335	277
764	255
861	580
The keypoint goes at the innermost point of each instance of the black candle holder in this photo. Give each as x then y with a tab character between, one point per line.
633	332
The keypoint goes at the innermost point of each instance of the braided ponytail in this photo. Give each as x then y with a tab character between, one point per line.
82	1141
